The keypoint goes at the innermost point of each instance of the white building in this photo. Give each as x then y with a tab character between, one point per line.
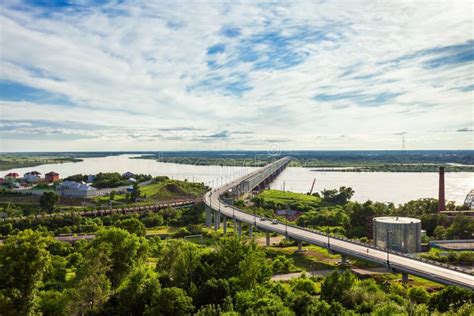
75	189
33	176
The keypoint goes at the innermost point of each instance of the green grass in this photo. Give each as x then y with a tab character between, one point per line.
162	230
314	258
282	199
161	191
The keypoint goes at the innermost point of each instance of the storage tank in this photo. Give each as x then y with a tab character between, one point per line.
400	233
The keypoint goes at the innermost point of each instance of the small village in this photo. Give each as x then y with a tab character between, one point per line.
34	183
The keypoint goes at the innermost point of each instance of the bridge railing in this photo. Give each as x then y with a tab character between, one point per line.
358	242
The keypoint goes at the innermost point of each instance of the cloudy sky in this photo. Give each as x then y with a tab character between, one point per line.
216	75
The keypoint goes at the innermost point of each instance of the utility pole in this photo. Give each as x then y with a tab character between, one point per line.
327	231
388	247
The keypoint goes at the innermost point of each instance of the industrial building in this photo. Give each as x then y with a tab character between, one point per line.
397	233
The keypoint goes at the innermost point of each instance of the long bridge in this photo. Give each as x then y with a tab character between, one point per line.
218	211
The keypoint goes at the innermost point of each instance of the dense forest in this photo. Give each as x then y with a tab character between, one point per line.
120	273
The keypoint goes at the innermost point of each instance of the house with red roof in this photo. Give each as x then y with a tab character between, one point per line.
51	176
12	175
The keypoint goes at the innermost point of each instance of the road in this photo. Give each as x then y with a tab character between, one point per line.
397	262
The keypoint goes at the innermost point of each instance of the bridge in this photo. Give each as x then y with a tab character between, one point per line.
218	211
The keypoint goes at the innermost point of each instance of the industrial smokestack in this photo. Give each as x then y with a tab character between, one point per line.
441	199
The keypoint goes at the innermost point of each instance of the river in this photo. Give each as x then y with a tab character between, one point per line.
376	186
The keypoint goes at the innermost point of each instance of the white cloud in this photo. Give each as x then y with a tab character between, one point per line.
139	66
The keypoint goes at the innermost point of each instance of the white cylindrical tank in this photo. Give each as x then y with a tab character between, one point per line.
397	233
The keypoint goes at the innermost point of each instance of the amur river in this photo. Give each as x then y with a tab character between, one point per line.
376	186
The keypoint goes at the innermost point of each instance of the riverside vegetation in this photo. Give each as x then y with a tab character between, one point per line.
128	270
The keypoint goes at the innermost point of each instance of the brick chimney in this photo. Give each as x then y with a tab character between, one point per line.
441	199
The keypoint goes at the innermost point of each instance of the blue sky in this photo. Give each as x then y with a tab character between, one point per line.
211	75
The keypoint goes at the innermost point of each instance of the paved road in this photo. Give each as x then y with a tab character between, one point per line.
397	262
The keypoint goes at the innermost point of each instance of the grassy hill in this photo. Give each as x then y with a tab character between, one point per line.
161	191
281	199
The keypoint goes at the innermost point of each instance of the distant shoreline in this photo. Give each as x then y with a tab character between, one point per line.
334	161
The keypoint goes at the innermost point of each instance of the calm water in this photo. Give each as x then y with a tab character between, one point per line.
377	186
210	175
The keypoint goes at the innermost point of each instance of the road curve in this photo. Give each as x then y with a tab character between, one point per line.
396	261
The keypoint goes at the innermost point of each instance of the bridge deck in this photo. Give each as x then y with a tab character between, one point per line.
398	262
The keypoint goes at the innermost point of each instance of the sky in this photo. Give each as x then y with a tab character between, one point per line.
225	75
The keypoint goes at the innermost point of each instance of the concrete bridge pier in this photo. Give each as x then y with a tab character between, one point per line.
404	278
250	231
208	217
300	246
267	239
217	220
239	228
235	225
343	260
225	224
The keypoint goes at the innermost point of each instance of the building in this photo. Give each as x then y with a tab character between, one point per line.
33	176
75	189
128	174
12	175
397	233
51	176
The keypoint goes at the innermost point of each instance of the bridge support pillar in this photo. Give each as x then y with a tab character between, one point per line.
300	246
208	217
217	220
404	278
267	239
239	228
250	231
343	260
225	224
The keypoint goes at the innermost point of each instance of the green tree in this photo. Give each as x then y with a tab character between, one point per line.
338	197
91	286
24	260
418	295
133	226
179	259
48	200
135	293
135	194
126	251
336	284
461	228
112	195
260	301
439	233
389	308
451	297
170	301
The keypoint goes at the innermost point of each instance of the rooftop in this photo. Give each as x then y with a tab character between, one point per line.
396	220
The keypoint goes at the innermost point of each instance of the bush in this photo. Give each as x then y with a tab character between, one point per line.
418	295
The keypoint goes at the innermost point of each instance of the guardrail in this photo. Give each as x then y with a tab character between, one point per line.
357	242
